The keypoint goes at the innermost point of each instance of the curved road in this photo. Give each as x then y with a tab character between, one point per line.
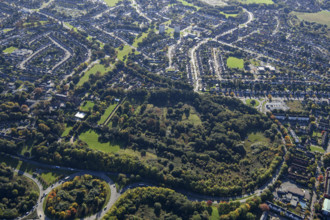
192	55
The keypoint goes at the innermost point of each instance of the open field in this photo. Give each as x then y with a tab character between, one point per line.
229	15
193	118
189	4
10	49
233	62
91	138
215	214
268	2
111	3
295	105
140	39
47	177
322	17
70	26
248	102
86	106
96	68
317	149
66	131
107	113
124	52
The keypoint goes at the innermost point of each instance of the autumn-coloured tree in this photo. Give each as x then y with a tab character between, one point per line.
264	207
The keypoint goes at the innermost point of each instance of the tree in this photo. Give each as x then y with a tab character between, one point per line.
264	207
270	97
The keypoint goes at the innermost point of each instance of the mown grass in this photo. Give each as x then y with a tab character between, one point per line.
10	49
71	27
66	131
317	149
86	106
96	68
122	54
193	118
91	139
268	2
111	3
321	17
295	105
215	214
228	15
248	102
189	4
107	112
233	62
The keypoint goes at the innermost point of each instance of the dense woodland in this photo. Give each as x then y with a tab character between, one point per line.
162	203
198	142
82	196
18	194
156	203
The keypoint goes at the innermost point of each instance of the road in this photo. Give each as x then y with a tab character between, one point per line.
192	53
115	195
65	58
138	10
22	64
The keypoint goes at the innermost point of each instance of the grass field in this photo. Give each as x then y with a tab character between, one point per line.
322	17
215	214
229	15
193	118
111	3
91	138
96	68
86	106
317	149
66	131
124	52
71	27
49	177
233	62
189	4
140	39
295	105
248	102
106	114
10	49
268	2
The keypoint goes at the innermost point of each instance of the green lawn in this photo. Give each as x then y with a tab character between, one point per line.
322	17
189	4
111	3
317	149
66	131
268	2
140	39
215	214
233	62
86	106
124	52
107	113
50	177
295	105
96	68
7	30
229	15
193	118
71	27
248	102
10	49
91	138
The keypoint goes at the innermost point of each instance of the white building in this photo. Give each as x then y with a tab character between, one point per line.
162	28
177	29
